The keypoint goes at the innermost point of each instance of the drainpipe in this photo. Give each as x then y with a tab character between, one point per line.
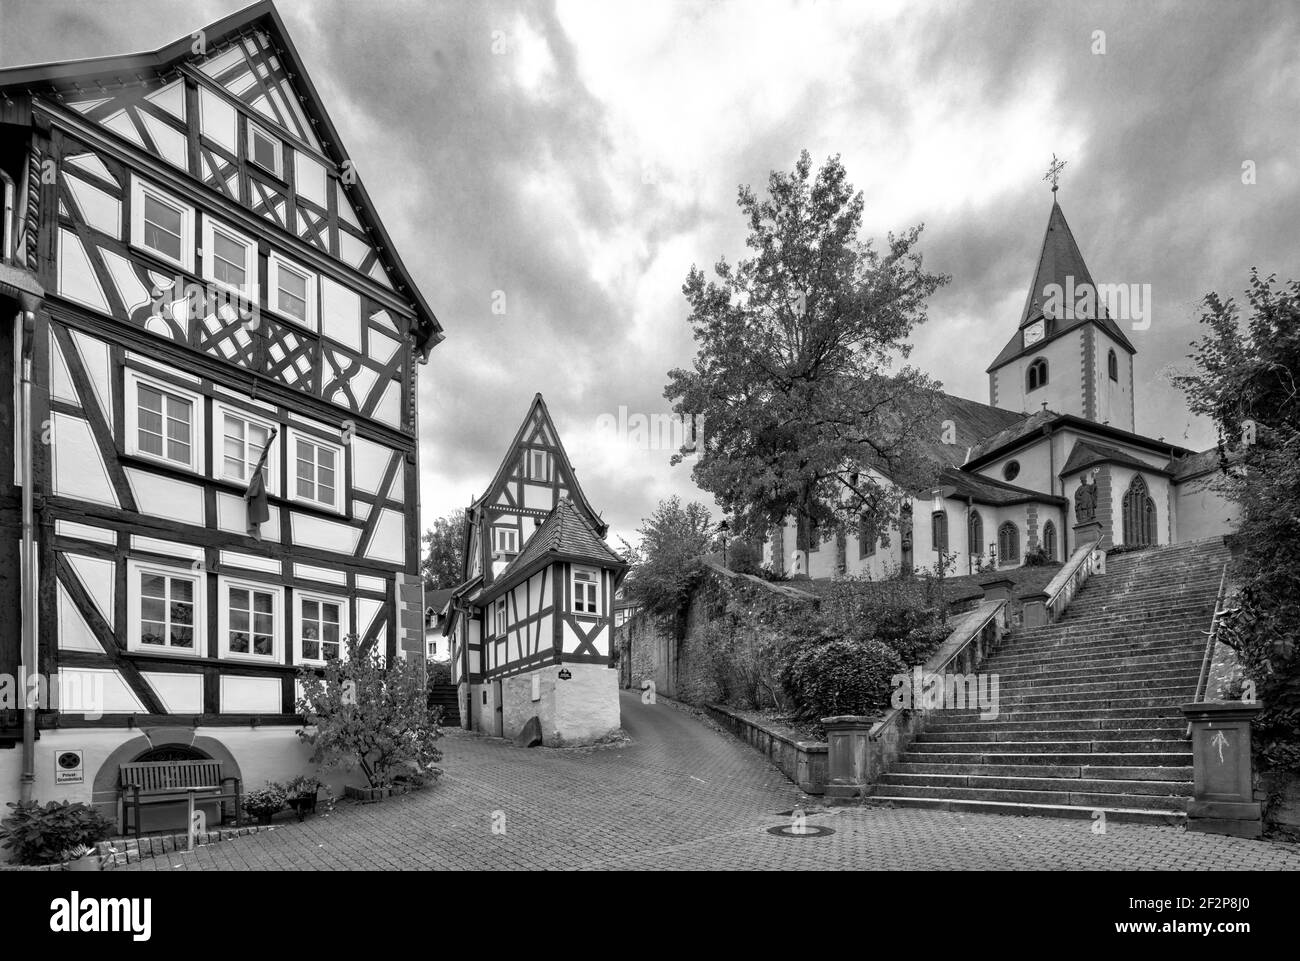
26	320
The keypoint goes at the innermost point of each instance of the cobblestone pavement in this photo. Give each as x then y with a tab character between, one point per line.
681	795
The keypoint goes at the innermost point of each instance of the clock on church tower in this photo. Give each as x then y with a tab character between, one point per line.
1034	333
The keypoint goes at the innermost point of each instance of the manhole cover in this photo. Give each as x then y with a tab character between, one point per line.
795	831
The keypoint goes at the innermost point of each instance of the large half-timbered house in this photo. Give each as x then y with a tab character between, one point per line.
205	292
531	624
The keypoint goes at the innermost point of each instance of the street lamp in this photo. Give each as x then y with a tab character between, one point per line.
723	528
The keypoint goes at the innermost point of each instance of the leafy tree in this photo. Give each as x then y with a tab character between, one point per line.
794	379
444	558
665	561
1245	379
363	711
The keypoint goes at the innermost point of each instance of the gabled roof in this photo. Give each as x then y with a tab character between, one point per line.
539	417
1025	427
1058	260
1086	453
62	76
564	535
1195	465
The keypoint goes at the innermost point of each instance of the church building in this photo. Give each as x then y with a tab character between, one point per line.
1052	461
532	622
210	412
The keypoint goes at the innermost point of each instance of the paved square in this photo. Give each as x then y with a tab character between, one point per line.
682	796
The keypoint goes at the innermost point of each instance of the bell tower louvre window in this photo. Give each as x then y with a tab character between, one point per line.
1037	376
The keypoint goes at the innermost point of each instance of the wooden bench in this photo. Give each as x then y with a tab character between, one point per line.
159	782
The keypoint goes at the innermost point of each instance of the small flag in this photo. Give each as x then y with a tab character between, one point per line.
259	511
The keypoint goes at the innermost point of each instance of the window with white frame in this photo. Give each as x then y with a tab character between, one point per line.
292	290
539	465
265	149
249	620
499	623
320	623
230	258
243	439
165	608
163	422
162	224
317	471
586	590
505	540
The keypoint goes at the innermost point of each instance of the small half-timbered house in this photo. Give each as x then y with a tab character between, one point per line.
209	296
531	625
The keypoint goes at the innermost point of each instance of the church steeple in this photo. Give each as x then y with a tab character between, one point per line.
1058	327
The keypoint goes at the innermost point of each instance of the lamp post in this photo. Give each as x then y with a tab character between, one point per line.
723	528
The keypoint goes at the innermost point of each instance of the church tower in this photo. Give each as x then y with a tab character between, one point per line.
1067	351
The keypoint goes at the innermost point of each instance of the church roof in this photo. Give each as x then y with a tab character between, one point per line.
1194	465
1017	433
1086	453
986	490
564	535
1059	260
971	421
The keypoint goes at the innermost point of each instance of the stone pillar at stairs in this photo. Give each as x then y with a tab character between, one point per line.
1222	789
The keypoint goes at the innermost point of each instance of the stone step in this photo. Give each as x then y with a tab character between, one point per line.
1152	772
1072	675
1076	754
954	733
1102	728
1074	702
1023	782
1060	637
1015	714
1172	684
1174	657
1117	815
1063	746
1067	798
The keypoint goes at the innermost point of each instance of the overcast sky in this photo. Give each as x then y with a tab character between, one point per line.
580	157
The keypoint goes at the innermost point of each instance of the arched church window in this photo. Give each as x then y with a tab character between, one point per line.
939	531
1139	514
1038	374
866	536
1011	471
1049	540
1008	543
1112	365
975	533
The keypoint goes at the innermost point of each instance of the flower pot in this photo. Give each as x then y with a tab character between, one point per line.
264	817
303	804
89	862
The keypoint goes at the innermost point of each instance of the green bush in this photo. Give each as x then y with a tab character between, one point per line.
48	835
828	675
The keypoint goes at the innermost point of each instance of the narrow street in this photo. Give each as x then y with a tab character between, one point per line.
681	796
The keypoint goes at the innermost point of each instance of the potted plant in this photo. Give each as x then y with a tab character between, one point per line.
263	803
81	858
301	794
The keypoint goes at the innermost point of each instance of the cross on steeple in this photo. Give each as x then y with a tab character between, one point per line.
1054	172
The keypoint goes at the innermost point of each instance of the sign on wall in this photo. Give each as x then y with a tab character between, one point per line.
70	767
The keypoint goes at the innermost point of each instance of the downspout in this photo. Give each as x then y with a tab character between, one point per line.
26	320
970	509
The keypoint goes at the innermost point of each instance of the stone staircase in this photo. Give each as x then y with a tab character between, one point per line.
1089	713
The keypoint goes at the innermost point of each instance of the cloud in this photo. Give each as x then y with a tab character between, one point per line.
579	157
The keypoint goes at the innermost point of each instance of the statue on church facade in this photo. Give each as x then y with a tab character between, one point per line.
1085	501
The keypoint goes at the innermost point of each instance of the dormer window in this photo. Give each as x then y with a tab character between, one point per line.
265	150
1037	376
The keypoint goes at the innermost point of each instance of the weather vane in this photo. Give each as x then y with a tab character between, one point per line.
1054	172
